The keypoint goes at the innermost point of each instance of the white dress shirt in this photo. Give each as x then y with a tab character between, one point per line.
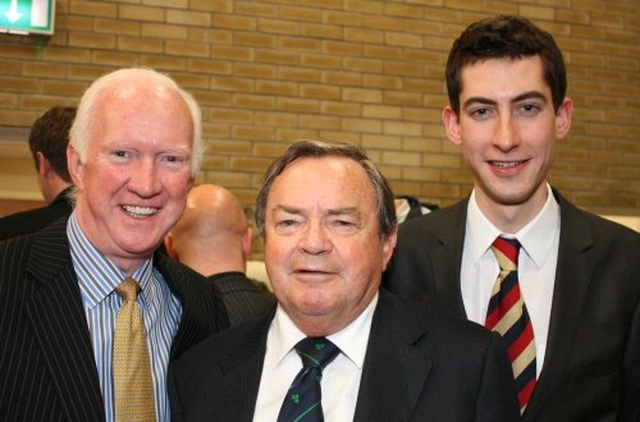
340	379
536	267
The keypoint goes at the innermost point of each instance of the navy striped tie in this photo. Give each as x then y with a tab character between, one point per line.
507	314
303	400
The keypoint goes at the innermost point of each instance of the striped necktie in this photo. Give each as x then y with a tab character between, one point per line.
507	314
303	400
132	381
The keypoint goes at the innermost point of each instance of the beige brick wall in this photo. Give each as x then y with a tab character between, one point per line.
368	72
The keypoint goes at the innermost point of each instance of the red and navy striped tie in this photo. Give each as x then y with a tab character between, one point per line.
507	314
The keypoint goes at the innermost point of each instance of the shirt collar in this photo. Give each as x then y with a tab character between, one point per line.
97	275
535	237
352	340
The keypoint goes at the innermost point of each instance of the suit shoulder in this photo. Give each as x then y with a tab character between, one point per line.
437	323
225	347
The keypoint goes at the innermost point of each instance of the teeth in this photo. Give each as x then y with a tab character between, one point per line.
504	165
139	211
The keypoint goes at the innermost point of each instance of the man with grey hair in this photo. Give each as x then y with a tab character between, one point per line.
134	150
328	220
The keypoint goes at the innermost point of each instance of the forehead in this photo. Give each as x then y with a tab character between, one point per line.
327	181
503	74
149	112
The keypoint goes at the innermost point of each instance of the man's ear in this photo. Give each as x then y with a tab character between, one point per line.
76	168
168	245
43	165
451	125
563	118
247	240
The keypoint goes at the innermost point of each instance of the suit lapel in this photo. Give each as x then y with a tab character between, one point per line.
394	371
241	371
447	259
59	324
202	313
573	275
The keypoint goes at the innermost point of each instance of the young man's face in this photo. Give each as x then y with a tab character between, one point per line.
507	129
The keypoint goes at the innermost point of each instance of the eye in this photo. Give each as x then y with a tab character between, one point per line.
480	113
343	226
175	161
529	109
287	226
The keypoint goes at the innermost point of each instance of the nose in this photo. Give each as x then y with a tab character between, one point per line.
314	240
144	180
506	135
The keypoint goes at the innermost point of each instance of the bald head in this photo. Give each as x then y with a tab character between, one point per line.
212	236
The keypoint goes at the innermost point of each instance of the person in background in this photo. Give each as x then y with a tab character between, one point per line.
48	141
573	293
408	207
71	292
213	238
368	356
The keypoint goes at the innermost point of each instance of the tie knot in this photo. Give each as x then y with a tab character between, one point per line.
316	352
506	251
128	289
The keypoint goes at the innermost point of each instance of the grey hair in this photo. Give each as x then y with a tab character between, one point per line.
85	117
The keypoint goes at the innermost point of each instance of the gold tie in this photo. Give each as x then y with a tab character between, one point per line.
133	385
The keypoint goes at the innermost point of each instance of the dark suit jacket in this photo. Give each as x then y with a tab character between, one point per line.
592	363
419	367
26	222
47	367
245	299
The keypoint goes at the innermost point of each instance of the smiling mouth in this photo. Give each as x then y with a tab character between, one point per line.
139	212
506	164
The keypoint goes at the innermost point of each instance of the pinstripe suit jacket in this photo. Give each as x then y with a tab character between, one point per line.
592	366
47	367
245	299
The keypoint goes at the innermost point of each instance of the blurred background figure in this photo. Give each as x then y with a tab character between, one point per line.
408	207
213	238
48	143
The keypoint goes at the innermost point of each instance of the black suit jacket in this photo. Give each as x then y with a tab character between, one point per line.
47	367
419	366
245	299
592	363
26	222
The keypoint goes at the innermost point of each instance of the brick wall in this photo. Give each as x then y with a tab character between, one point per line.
368	72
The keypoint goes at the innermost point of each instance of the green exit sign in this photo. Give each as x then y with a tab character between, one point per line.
27	16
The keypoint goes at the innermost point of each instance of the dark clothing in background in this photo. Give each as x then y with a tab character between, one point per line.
33	220
244	298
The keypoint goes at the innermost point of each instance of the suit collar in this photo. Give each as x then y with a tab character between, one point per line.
573	275
447	258
393	338
59	323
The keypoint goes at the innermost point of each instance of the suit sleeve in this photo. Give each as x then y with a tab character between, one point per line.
630	410
174	396
497	399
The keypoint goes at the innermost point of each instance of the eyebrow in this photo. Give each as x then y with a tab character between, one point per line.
332	212
524	96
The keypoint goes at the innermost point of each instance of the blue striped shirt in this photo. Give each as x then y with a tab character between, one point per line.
98	278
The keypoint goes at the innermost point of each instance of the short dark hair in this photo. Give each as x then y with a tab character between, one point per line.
313	148
50	135
505	36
